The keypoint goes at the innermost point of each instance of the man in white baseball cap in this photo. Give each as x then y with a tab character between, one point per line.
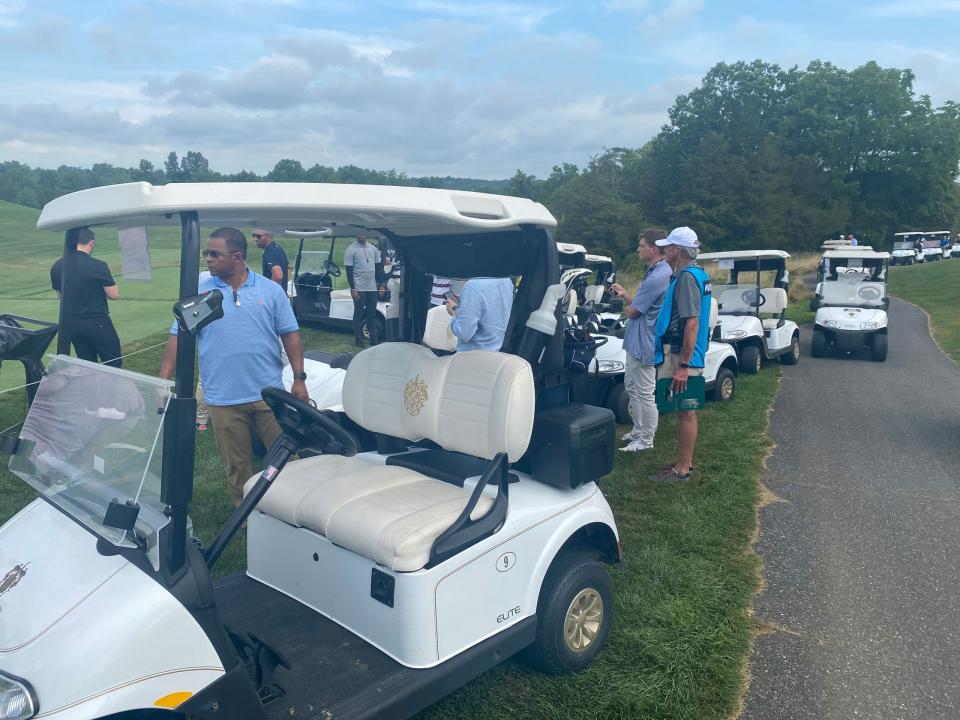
681	337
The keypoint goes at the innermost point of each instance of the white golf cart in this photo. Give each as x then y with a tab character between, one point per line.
319	293
852	304
930	248
588	278
753	318
906	248
942	237
381	574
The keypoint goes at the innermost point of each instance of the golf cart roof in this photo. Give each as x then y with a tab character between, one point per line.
937	232
908	234
744	255
406	211
598	259
570	249
857	253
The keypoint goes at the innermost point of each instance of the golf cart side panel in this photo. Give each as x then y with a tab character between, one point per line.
281	556
154	648
501	585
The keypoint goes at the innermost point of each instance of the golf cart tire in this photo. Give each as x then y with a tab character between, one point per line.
619	402
878	348
792	356
571	574
818	345
725	386
751	360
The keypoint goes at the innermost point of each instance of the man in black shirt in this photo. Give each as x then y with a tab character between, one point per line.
274	258
91	331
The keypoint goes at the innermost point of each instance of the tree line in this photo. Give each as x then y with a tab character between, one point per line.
756	156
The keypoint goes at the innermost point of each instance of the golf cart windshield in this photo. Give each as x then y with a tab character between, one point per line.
851	290
314	262
903	245
738	299
93	435
931	243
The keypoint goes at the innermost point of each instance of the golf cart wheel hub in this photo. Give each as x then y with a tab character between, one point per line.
726	388
583	620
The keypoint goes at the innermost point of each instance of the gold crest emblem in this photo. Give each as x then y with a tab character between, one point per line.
415	395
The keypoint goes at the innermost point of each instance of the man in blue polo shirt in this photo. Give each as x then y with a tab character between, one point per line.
640	374
240	354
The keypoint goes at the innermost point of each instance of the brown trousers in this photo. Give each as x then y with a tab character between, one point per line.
232	425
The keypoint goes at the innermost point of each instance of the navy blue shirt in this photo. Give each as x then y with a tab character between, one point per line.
274	256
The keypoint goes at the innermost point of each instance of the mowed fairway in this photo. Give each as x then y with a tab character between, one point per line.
935	287
682	629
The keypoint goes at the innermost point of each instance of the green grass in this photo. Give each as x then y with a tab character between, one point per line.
682	631
935	287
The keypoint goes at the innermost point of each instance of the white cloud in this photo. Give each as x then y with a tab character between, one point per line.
9	10
915	8
507	16
626	5
671	18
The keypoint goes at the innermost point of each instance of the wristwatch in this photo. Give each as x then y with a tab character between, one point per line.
684	365
300	376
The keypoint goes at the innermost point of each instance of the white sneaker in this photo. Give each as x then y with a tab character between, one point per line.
636	446
627	437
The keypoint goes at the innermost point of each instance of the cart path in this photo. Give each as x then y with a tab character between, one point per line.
862	552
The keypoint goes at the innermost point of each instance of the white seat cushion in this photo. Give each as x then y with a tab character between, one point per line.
389	514
770	323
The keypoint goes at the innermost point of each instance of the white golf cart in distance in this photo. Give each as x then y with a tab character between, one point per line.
852	303
942	237
930	249
451	519
600	382
319	292
906	248
753	318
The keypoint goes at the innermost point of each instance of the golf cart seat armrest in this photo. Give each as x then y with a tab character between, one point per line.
342	361
465	532
9	444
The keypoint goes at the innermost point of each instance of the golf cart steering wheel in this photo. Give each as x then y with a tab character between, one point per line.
753	298
869	293
307	426
333	270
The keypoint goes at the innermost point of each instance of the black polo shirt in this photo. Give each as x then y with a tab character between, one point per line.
274	256
92	276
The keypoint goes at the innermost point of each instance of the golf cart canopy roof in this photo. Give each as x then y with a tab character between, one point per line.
937	232
908	234
745	255
405	211
859	254
570	249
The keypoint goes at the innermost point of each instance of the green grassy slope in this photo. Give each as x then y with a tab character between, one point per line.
936	288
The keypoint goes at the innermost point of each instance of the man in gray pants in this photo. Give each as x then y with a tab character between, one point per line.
640	375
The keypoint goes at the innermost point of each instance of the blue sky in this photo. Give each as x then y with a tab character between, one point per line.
441	87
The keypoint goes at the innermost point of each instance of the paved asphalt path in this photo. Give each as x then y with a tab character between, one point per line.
862	552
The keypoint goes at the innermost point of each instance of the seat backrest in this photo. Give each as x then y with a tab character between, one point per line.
732	299
714	313
479	403
593	294
436	331
775	301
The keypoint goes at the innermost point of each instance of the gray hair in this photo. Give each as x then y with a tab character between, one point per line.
690	252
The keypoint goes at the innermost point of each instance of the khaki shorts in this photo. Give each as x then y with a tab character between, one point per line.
671	363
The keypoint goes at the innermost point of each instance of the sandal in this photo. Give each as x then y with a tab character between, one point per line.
670	475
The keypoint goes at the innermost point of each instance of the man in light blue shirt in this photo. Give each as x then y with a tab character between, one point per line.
640	373
240	354
480	320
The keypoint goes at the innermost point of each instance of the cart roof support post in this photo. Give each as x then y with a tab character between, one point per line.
66	286
179	436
